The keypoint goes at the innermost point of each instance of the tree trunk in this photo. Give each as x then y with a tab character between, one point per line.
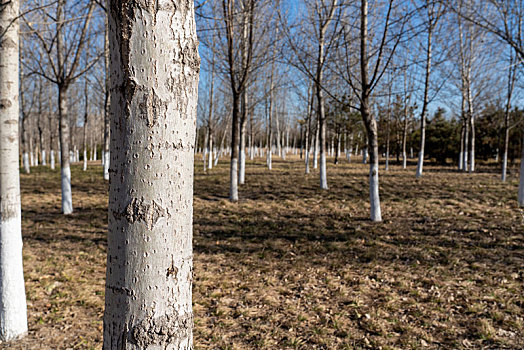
461	152
387	153
235	138
269	155
204	151
472	124
405	140
13	308
315	149
51	133
321	116
466	145
24	140
371	128
350	149
242	146
369	120
420	164
41	137
506	146
521	181
86	112
65	170
210	148
107	100
337	149
308	131
154	65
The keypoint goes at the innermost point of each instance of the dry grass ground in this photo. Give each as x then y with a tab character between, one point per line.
290	267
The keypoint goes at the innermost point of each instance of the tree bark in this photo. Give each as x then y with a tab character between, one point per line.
107	100
13	308
65	170
24	138
521	181
154	91
369	120
242	145
472	125
423	114
235	138
405	137
86	113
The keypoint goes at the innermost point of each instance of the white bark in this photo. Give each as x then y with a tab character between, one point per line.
44	160
233	181
210	160
107	163
13	308
52	160
374	197
154	82
307	160
242	170
315	151
67	200
323	172
85	160
504	166
420	164
67	196
25	161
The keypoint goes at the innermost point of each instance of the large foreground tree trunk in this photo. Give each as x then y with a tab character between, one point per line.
13	309
154	82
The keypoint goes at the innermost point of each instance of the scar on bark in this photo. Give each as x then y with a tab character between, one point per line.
148	213
163	330
172	270
151	106
5	103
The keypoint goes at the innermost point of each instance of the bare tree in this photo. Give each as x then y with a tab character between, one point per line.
60	63
376	51
433	11
503	19
239	69
311	59
13	307
512	77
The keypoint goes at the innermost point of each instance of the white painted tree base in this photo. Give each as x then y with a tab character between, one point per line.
106	165
52	160
374	198
25	161
67	197
13	308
